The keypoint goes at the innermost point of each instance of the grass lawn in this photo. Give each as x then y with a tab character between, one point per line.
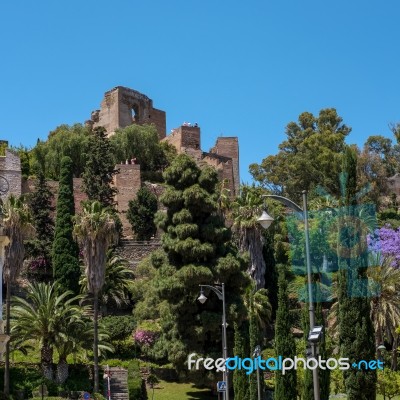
179	391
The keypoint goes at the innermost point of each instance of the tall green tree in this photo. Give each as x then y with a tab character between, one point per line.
95	230
41	208
18	228
141	212
71	141
240	379
309	157
65	250
356	333
196	250
285	385
140	142
100	169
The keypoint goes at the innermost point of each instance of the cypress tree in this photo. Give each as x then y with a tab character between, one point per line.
141	213
40	204
356	334
285	385
255	337
100	169
324	375
65	250
240	379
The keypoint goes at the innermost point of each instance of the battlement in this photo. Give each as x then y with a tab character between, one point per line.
185	136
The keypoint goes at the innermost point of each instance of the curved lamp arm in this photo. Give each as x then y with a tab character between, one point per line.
286	202
214	289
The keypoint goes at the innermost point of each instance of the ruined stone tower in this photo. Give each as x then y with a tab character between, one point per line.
122	107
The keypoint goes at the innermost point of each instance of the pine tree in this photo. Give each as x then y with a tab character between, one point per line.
65	250
196	250
285	385
141	214
40	204
240	379
356	334
100	169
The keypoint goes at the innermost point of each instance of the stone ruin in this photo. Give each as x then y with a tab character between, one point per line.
122	107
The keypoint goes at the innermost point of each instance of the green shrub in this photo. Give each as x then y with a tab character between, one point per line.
98	396
48	398
119	327
137	389
125	349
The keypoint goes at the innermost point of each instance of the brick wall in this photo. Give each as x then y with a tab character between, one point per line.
28	186
10	169
128	182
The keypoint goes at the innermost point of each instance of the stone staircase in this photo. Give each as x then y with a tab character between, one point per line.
118	384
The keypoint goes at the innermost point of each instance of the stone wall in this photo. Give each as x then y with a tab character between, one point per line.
28	186
135	251
229	147
128	182
10	174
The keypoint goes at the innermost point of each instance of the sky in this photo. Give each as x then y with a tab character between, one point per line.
236	68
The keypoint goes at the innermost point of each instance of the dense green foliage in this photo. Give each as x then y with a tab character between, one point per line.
285	385
141	214
142	143
40	204
71	141
65	250
99	169
241	349
309	157
196	251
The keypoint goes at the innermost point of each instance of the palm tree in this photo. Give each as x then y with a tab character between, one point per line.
17	227
259	306
384	282
117	282
245	210
76	336
95	230
48	317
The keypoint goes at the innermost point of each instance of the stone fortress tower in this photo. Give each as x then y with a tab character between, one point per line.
122	107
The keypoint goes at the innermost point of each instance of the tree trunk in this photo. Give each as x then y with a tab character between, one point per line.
7	355
95	343
47	360
62	371
394	352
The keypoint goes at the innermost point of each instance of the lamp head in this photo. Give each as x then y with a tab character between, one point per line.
202	299
265	220
381	347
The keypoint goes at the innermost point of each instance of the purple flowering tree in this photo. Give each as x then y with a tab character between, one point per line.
386	242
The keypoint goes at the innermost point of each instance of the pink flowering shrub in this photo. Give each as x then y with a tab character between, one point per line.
144	338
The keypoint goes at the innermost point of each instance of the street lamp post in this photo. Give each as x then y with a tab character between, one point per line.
265	221
257	353
219	290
